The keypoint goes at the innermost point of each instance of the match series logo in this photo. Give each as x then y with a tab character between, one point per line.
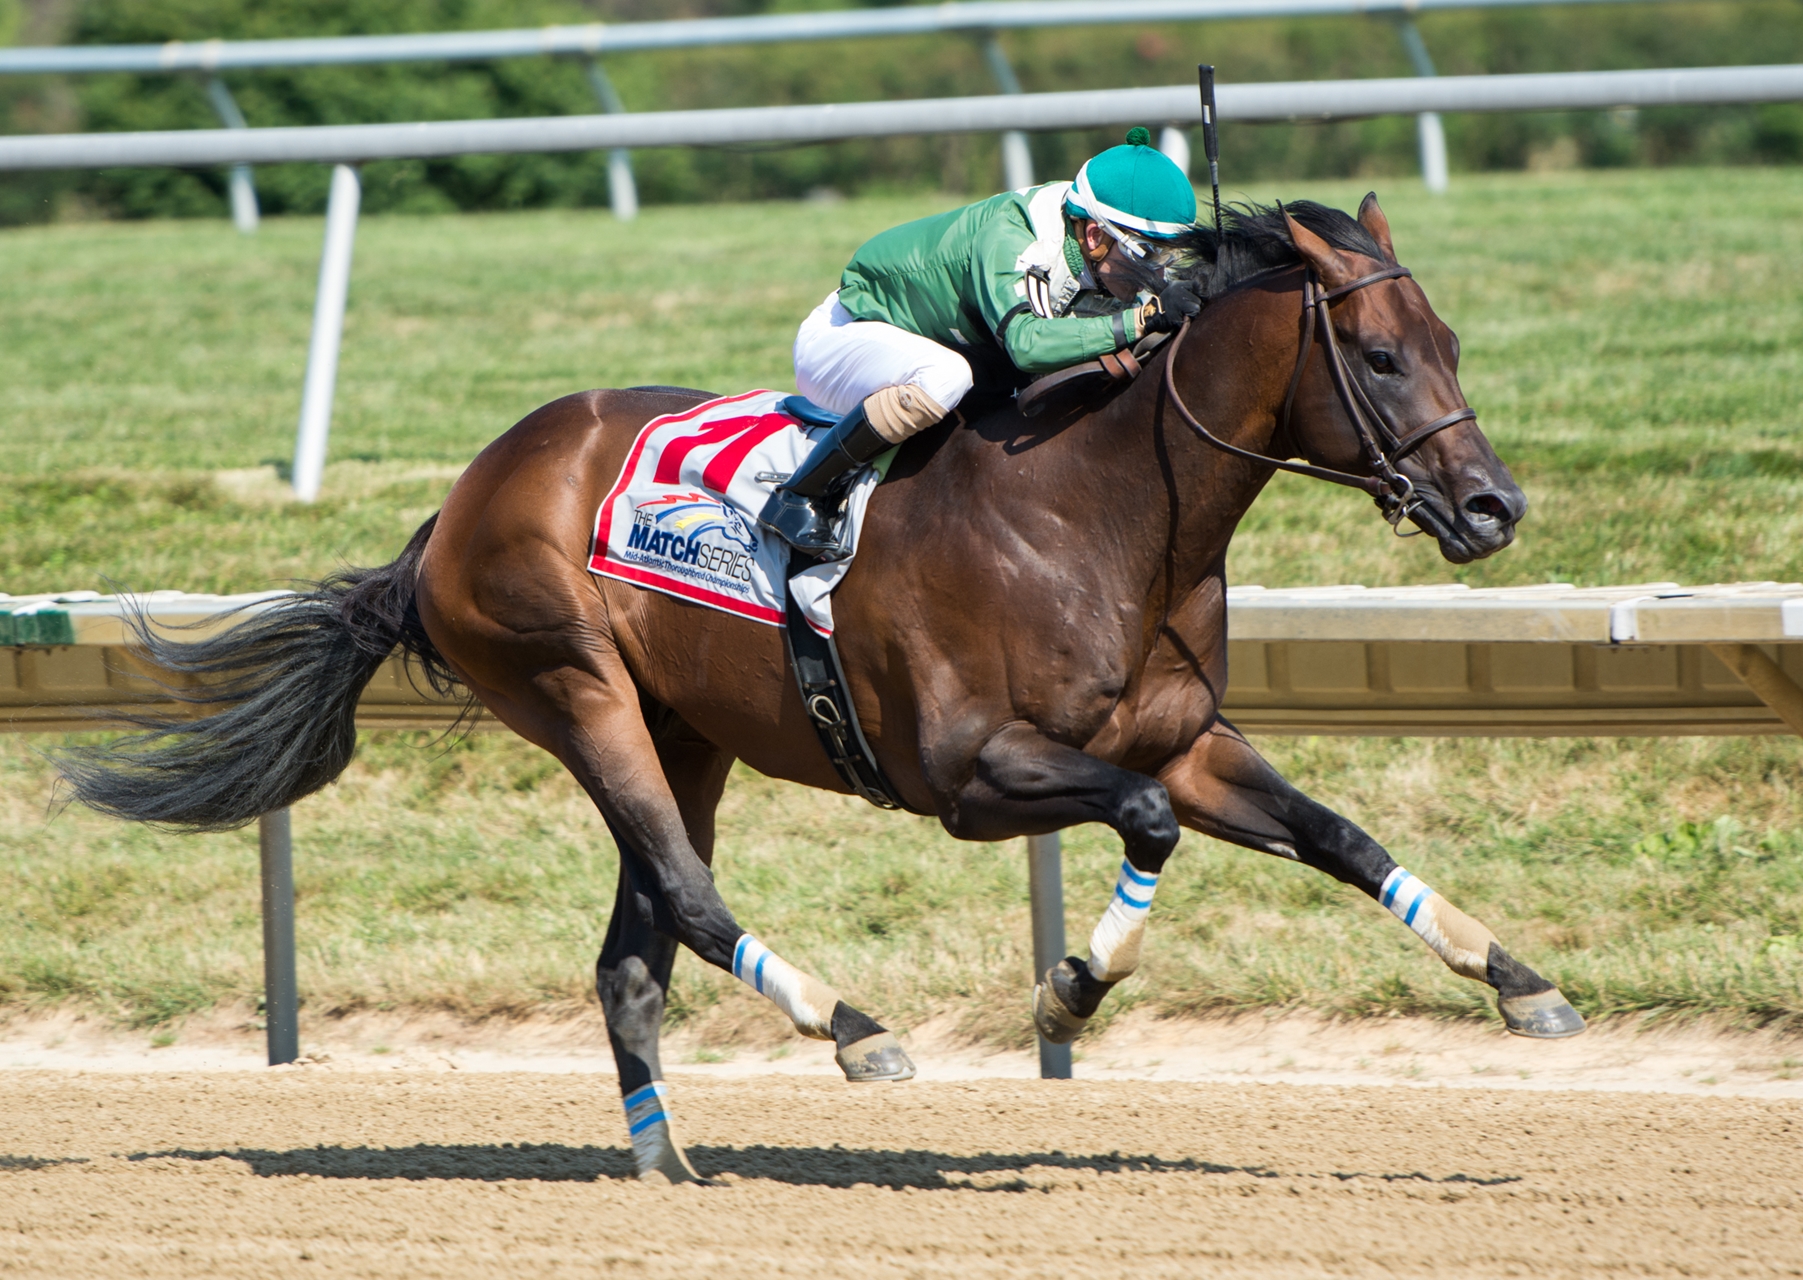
673	533
682	517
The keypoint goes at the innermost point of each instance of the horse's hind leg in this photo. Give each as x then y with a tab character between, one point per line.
696	772
583	707
662	821
1225	789
632	974
632	977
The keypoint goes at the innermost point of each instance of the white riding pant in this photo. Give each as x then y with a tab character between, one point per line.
839	360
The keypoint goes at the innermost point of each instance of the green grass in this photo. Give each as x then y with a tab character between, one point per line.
1632	340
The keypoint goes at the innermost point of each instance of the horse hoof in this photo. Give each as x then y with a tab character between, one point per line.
674	1173
1055	1022
660	1158
1544	1016
874	1058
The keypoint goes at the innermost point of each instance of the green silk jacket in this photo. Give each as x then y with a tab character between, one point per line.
954	277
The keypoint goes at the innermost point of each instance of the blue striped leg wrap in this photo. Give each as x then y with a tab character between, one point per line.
1114	946
1135	888
645	1107
749	960
648	1122
1463	943
1403	894
808	1001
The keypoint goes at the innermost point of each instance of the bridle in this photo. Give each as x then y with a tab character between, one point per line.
1382	445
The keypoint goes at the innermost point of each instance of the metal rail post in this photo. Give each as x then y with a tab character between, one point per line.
1017	159
1430	135
281	995
1045	888
328	331
622	189
243	189
1174	142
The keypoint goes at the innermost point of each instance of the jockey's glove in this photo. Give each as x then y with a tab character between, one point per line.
1177	302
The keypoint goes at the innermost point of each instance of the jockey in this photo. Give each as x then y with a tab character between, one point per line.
1025	282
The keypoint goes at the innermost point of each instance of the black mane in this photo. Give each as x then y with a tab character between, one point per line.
1254	239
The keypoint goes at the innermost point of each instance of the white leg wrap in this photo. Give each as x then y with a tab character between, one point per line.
808	1001
654	1147
1456	938
1114	946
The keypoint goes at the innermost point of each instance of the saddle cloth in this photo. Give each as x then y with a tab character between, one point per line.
682	517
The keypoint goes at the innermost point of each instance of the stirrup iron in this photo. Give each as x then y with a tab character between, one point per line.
806	509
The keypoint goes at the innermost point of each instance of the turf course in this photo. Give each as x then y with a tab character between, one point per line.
1632	340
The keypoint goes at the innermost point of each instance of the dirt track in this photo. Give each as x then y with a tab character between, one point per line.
309	1172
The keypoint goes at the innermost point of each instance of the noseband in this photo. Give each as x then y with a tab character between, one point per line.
1382	445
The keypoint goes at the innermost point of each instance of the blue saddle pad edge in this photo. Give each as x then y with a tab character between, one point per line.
805	410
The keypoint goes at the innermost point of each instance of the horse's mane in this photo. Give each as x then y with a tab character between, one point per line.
1254	239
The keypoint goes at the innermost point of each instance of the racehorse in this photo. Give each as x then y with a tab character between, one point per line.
1034	634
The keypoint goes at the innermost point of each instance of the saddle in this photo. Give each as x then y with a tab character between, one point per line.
806	411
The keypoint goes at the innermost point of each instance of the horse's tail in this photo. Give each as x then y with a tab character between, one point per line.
277	701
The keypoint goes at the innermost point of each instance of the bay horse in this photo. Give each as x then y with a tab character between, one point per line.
1034	635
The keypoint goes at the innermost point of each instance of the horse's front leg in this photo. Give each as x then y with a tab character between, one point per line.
1224	788
1023	781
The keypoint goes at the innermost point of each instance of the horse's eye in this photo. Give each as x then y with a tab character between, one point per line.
1380	362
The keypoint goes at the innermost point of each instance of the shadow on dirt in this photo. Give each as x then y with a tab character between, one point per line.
38	1162
834	1166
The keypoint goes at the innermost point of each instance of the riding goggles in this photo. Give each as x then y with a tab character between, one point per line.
1134	246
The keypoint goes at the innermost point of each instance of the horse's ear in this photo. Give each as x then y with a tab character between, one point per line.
1372	219
1329	263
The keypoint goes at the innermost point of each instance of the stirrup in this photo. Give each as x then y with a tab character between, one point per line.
800	523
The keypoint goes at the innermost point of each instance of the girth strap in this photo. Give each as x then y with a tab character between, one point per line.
814	660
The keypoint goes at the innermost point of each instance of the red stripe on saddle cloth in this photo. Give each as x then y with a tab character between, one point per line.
671	586
750	430
725	465
604	517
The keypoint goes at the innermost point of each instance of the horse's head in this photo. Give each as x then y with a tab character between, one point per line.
1401	361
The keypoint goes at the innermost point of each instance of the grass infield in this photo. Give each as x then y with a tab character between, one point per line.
1632	340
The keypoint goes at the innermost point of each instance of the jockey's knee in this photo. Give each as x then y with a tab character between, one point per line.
947	379
899	412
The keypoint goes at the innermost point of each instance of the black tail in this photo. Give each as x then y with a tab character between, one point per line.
285	682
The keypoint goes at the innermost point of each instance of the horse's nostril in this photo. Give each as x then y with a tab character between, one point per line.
1488	505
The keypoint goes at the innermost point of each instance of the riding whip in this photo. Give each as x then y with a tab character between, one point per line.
1211	142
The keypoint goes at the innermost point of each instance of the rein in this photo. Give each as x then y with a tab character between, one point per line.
1383	447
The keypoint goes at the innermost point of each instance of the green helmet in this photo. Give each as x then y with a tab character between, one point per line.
1135	189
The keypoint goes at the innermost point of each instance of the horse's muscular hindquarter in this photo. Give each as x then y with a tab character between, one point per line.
506	595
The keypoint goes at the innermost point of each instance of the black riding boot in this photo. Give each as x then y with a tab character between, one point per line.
803	511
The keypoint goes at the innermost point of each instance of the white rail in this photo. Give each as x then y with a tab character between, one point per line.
1310	100
981	20
638	37
1654	658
